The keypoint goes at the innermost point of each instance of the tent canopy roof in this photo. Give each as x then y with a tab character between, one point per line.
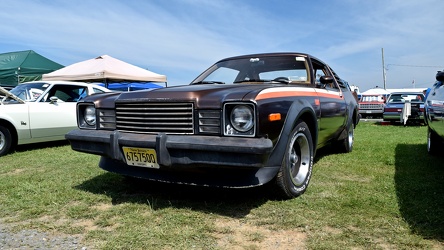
24	66
104	68
376	91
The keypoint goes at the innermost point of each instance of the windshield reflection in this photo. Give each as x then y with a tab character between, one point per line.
30	92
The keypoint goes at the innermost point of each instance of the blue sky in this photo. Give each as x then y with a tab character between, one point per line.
181	38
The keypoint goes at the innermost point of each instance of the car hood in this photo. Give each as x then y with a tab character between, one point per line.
11	95
204	95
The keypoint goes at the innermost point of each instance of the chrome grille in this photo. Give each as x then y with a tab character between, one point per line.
370	106
209	121
170	118
107	119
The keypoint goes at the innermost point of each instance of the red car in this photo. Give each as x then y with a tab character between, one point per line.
243	122
371	105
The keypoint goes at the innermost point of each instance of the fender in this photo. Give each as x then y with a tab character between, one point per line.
299	108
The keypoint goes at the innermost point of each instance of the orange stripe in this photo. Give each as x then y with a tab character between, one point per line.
272	93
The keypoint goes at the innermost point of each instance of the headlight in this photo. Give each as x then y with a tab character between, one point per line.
239	119
86	116
242	118
89	114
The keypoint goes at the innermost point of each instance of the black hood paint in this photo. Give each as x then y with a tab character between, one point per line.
211	96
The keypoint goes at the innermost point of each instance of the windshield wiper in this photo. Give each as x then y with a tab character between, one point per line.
209	82
251	80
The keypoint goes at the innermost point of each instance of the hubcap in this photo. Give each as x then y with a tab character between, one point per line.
2	140
299	159
428	141
350	136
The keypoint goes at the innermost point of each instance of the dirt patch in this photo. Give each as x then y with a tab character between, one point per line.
235	234
13	172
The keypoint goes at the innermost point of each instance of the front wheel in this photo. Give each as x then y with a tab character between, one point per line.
5	140
433	142
297	165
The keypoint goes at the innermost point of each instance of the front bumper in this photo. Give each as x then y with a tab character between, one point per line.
192	159
370	111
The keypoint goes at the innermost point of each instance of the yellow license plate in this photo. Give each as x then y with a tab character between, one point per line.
141	157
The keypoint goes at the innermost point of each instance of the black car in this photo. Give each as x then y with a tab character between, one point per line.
434	116
243	122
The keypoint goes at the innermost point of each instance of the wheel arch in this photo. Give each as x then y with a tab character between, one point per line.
300	110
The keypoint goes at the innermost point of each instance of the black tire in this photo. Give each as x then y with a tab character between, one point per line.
434	142
5	140
346	144
297	166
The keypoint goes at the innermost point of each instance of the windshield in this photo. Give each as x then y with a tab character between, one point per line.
29	92
270	69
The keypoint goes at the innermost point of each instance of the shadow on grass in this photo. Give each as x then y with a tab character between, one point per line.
419	180
40	145
235	203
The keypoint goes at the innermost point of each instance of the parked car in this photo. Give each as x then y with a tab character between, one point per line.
40	111
371	105
243	122
434	116
404	107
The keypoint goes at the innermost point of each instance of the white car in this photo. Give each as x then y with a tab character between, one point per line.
40	111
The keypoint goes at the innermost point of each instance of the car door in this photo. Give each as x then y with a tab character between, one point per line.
55	114
332	102
435	110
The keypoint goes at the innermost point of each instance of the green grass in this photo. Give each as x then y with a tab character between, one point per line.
386	194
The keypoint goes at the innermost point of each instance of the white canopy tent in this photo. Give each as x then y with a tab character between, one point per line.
104	69
376	91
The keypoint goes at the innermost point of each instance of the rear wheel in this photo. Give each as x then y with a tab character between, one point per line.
297	165
5	140
347	142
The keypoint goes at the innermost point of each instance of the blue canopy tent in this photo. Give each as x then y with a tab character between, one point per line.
130	86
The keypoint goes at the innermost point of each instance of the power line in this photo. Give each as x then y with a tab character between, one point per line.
419	66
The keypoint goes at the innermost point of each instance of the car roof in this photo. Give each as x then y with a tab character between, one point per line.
71	83
407	93
271	54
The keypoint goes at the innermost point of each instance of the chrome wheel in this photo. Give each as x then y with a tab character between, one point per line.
299	159
297	165
2	141
5	140
350	138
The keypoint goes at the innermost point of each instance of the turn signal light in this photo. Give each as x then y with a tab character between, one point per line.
274	117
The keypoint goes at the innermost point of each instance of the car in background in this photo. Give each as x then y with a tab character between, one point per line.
40	111
371	105
404	108
434	116
244	122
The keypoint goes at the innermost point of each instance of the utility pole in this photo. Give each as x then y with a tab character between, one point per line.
383	68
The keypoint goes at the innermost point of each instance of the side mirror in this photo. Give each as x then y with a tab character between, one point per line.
326	79
440	76
53	99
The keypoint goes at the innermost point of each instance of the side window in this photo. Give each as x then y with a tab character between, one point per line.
320	70
66	93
